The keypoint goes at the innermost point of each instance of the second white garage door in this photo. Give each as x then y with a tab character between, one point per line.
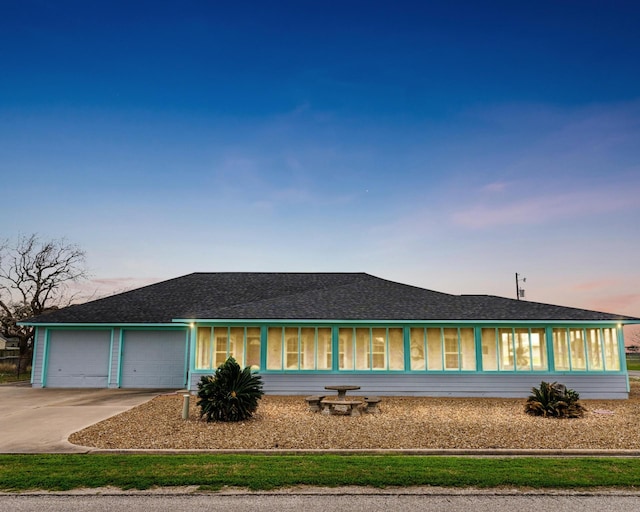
154	359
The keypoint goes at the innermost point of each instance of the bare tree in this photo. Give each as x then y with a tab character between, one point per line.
34	279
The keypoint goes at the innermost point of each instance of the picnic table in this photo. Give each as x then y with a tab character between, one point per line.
342	390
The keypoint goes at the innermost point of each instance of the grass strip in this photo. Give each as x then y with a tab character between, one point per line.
264	472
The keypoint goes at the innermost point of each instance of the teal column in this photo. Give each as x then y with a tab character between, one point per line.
477	334
263	347
548	334
36	333
120	351
109	376
335	340
189	354
45	357
406	333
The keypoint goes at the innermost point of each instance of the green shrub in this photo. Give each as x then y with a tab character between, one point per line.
231	394
554	400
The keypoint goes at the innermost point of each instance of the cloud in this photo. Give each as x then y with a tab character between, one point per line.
539	209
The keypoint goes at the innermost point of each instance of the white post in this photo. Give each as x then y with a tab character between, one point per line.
185	407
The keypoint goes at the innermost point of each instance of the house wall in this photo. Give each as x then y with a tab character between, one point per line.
409	382
613	386
479	385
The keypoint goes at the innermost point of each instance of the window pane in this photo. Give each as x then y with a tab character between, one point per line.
253	348
523	356
291	337
363	340
324	349
489	353
594	349
379	349
417	345
561	349
345	349
539	349
468	349
506	349
396	349
611	349
578	359
451	357
203	348
274	348
434	349
236	345
307	348
220	345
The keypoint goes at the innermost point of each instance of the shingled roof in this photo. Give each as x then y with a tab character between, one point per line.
305	296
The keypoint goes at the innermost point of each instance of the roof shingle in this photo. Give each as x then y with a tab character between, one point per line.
305	296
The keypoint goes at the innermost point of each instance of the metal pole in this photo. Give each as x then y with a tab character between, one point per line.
517	288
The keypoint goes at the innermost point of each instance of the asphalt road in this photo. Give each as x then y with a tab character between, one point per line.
482	502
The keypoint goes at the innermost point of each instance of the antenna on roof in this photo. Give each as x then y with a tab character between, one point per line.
519	290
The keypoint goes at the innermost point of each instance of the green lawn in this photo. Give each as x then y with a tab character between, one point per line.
212	472
633	363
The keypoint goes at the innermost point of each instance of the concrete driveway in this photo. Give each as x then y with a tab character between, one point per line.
41	420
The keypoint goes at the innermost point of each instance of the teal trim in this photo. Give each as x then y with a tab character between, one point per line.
45	359
551	357
120	354
477	335
395	323
106	325
36	334
622	355
335	347
263	347
406	337
110	358
187	349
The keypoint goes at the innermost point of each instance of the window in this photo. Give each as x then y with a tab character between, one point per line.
438	349
520	349
215	344
305	348
365	348
561	349
590	349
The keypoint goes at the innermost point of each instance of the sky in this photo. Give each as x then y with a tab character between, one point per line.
446	145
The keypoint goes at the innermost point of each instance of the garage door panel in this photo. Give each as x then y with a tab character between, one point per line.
153	359
78	359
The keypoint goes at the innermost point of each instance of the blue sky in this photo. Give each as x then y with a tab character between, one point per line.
442	144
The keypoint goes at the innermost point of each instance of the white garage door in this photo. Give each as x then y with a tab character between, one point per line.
154	359
78	359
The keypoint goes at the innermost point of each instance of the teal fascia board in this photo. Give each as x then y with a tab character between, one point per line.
98	325
417	323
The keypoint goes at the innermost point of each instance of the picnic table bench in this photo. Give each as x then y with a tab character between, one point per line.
350	407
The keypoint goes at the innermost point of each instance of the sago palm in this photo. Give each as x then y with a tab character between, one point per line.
231	394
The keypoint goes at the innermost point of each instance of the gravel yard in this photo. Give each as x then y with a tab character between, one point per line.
403	423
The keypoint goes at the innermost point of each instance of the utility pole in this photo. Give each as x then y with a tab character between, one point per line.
519	291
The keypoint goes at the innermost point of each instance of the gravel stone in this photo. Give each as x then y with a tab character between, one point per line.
284	422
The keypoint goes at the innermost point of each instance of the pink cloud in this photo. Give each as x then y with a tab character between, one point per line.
541	209
596	285
623	304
